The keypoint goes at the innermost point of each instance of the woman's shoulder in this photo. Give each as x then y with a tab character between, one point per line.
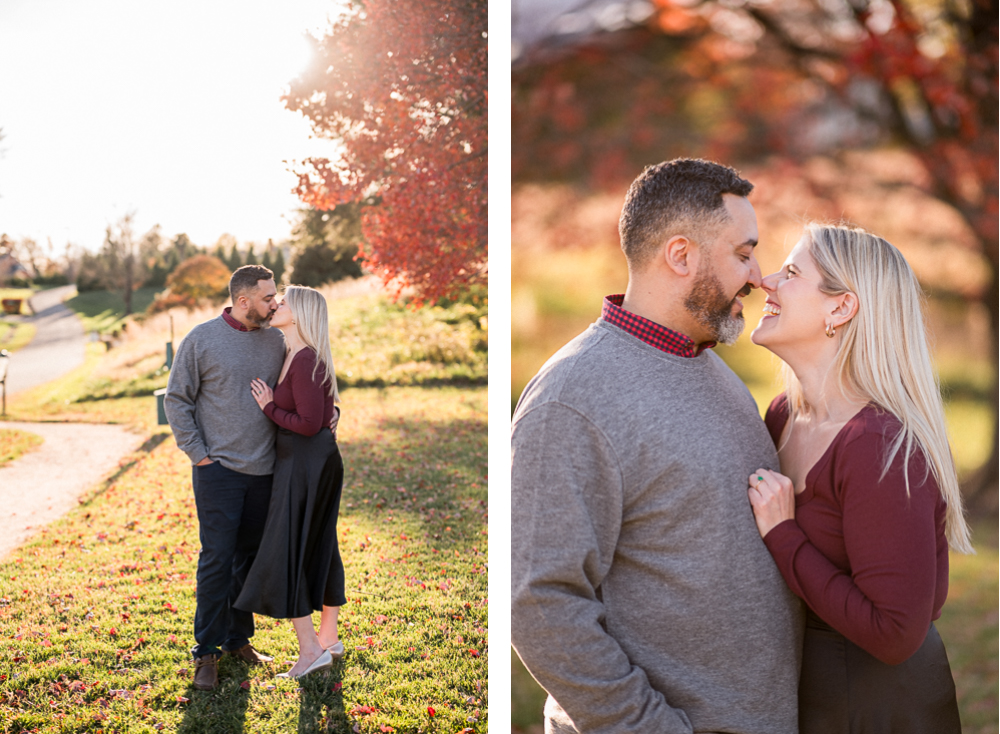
869	438
306	356
302	363
303	367
872	423
779	406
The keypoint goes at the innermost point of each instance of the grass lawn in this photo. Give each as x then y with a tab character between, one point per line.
15	443
968	626
15	334
96	613
375	343
104	311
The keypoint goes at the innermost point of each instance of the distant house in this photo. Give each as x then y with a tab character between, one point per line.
11	269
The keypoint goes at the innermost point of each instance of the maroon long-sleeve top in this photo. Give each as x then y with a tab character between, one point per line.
869	560
301	404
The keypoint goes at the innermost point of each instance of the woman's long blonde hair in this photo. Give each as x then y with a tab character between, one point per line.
883	354
309	313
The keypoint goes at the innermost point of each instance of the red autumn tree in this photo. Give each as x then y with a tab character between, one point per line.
402	85
744	81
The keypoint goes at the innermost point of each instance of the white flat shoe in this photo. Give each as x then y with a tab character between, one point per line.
324	661
336	650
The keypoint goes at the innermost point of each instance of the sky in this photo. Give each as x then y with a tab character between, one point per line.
168	109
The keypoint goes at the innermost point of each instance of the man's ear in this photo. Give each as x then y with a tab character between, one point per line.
679	254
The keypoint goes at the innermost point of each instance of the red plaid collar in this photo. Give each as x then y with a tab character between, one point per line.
664	339
228	317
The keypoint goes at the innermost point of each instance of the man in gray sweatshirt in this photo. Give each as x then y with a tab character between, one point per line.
643	599
216	421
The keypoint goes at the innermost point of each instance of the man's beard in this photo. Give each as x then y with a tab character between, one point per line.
710	305
255	318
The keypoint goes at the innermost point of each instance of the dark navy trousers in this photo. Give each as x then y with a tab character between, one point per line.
232	509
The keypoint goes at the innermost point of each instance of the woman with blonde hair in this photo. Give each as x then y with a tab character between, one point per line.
298	568
860	518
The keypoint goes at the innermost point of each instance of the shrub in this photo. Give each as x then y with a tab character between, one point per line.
321	263
201	278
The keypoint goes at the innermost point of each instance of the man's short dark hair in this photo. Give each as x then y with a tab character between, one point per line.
678	197
245	279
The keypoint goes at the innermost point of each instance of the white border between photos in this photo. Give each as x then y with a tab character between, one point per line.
499	365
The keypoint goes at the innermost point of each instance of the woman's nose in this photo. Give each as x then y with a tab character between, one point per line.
769	282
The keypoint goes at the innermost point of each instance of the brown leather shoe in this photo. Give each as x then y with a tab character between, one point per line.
206	672
248	654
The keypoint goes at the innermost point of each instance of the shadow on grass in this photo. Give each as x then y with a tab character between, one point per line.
431	464
416	381
222	711
321	702
343	384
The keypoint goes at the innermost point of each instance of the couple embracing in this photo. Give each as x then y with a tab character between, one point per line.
254	409
679	565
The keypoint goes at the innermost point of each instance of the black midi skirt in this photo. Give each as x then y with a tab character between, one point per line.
845	690
298	568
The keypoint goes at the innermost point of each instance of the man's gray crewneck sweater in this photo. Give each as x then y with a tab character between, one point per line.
643	598
209	404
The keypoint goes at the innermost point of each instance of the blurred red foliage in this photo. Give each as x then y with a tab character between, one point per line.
782	81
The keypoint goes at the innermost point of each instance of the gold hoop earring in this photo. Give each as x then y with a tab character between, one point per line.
831	330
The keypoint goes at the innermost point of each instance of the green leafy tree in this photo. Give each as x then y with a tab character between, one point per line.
278	266
183	247
157	277
234	261
274	261
326	245
227	244
91	273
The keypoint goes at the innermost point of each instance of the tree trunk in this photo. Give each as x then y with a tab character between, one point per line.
129	267
982	495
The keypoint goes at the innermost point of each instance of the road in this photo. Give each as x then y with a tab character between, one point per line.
58	345
46	483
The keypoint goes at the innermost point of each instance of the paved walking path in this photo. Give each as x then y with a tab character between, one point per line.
46	483
58	345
